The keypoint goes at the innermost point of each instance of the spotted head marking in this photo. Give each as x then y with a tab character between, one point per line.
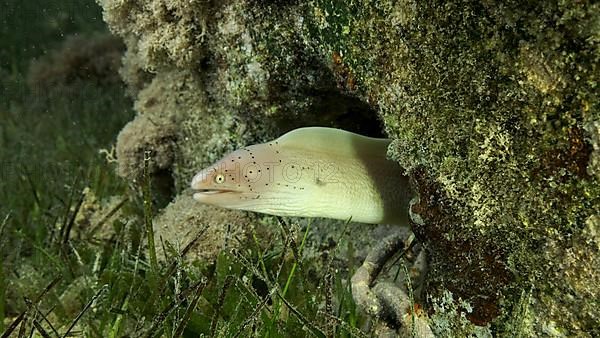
309	172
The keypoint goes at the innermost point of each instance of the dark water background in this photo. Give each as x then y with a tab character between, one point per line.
61	100
55	113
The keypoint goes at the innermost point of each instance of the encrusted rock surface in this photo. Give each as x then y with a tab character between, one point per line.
493	108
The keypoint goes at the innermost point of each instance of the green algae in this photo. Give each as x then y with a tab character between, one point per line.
488	115
492	108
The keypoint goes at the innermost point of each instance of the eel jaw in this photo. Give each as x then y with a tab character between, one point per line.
199	194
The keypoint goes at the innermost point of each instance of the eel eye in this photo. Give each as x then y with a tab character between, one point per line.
219	179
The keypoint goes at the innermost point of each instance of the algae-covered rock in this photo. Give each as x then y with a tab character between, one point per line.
487	105
493	110
207	229
94	59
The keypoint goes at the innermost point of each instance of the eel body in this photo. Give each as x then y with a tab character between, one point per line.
310	172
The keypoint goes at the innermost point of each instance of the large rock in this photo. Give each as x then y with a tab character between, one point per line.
492	106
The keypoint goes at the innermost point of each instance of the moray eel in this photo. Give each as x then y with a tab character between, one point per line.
310	172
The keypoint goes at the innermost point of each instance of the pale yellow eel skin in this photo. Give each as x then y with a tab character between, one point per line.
310	172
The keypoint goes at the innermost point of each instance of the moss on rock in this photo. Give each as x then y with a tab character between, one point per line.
94	59
492	107
487	104
183	220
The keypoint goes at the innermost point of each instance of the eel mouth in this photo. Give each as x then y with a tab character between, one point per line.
199	193
212	191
